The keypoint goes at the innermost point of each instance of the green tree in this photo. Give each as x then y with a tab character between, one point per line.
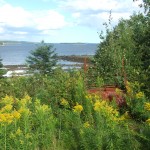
2	71
125	52
42	59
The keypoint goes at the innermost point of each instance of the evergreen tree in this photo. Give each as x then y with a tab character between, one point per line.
42	59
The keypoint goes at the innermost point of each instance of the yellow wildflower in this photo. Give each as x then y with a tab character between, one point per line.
64	102
18	132
124	116
86	125
148	121
7	108
12	136
96	96
44	108
88	96
147	106
28	136
129	89
139	95
2	118
7	100
98	105
78	108
25	101
28	98
16	114
25	111
6	118
21	142
118	91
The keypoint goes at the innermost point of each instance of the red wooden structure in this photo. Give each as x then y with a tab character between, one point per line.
110	93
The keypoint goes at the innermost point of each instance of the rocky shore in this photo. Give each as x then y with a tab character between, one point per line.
72	58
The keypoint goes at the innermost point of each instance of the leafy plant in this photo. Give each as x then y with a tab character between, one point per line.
2	71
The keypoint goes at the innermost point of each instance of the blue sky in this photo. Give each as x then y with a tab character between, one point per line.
58	21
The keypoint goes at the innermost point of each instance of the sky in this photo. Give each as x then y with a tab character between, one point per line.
59	21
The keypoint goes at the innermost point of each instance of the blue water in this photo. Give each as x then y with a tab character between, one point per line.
16	54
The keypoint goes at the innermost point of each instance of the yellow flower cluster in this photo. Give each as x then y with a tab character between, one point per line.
19	131
118	91
78	108
6	108
7	113
129	88
86	125
64	102
41	108
147	106
7	100
24	101
148	121
9	117
107	110
139	95
99	105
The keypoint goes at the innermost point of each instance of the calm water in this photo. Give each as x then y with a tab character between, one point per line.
15	54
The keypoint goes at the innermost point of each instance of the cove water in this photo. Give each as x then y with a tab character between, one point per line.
16	53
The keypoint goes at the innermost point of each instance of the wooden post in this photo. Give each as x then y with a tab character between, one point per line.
85	64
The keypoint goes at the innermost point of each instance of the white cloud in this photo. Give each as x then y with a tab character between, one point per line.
20	33
2	30
19	23
14	16
17	17
76	14
50	20
94	13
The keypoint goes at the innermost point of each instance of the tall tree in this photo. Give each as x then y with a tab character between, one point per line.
126	51
42	59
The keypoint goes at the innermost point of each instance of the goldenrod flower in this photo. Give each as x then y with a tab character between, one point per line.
16	114
148	121
64	102
6	118
21	142
12	135
28	136
78	108
7	100
18	132
129	89
139	95
86	125
147	106
28	98
25	111
98	105
7	108
118	91
25	101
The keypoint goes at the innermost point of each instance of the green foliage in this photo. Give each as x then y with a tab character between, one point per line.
42	59
124	52
2	71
